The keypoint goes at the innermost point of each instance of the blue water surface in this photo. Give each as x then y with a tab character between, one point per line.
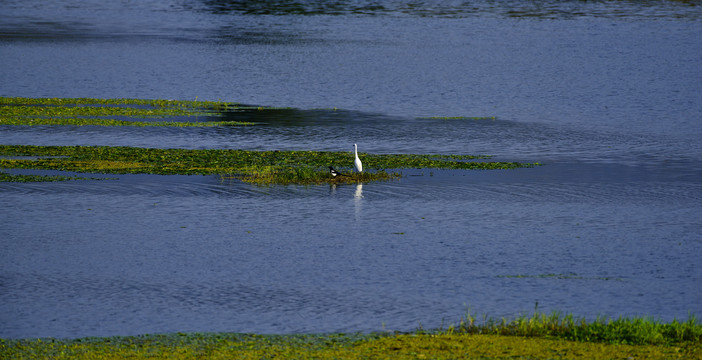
606	95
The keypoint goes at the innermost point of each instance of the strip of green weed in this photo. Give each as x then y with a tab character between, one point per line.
5	177
263	167
87	111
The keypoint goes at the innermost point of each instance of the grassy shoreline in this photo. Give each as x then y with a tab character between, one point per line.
539	336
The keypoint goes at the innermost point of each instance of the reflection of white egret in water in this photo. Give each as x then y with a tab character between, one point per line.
357	163
359	192
357	197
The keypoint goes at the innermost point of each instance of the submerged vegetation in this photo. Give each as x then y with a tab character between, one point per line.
539	336
263	167
115	112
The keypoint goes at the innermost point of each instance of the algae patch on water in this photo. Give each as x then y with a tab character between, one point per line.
261	167
117	112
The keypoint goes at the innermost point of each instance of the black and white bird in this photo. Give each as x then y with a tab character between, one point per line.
333	172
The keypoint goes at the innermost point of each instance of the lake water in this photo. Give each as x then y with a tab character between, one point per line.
607	95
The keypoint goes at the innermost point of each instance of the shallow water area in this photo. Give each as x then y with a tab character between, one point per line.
605	95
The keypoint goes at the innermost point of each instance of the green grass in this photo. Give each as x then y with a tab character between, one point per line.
104	112
539	336
261	167
632	331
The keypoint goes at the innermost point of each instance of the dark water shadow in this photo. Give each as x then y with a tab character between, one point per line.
178	22
290	117
516	9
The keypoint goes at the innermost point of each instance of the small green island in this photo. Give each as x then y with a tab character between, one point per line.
260	167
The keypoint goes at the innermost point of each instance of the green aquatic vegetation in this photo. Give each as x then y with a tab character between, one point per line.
111	122
5	177
152	103
262	167
532	339
285	175
632	331
102	112
86	110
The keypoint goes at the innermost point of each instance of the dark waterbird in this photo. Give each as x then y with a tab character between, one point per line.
334	173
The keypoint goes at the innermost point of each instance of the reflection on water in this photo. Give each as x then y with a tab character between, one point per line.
358	194
605	94
358	201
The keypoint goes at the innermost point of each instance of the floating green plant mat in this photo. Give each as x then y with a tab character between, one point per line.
103	112
263	167
5	177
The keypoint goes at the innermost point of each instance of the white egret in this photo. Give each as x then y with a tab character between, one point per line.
357	163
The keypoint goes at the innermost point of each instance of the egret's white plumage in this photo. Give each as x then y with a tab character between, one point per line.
357	163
